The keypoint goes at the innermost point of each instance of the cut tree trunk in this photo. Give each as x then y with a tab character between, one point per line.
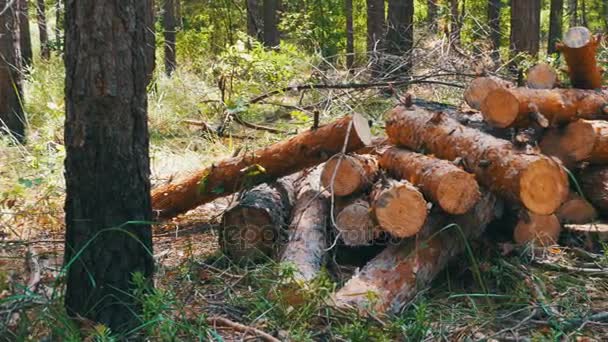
354	221
542	76
580	141
580	48
350	174
576	210
517	107
396	275
453	189
307	242
251	227
594	182
478	90
534	180
306	149
399	207
541	230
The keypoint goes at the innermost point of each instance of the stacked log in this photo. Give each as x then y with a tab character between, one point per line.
349	174
594	182
542	76
354	221
576	210
580	141
579	47
478	90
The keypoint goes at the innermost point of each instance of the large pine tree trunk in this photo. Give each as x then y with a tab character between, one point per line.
350	34
109	60
24	34
525	26
169	34
271	21
254	24
375	29
11	112
400	36
494	23
45	50
555	25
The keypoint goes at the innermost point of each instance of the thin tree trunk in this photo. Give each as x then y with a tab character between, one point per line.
350	34
12	119
555	25
494	23
431	14
253	23
24	34
271	31
525	26
584	13
58	25
109	58
400	36
45	51
454	22
169	34
573	12
375	34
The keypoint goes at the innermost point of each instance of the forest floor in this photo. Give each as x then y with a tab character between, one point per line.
516	295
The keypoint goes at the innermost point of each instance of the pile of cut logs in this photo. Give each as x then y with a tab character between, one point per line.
533	156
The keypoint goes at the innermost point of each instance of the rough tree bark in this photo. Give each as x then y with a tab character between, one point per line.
12	118
45	49
453	189
396	275
400	35
302	151
399	207
555	25
534	180
375	26
271	21
494	7
580	48
517	107
169	28
350	34
109	60
24	34
594	182
454	22
525	26
354	173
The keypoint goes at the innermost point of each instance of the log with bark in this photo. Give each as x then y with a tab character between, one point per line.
576	210
399	207
594	182
479	88
536	181
580	141
542	76
252	227
593	236
542	230
453	189
396	275
346	175
307	242
283	158
354	221
580	48
518	107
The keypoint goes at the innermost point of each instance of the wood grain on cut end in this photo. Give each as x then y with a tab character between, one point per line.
355	223
576	210
586	140
399	207
500	108
542	76
349	174
542	230
478	90
594	182
543	187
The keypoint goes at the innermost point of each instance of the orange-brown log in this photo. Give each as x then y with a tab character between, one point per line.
399	207
518	107
542	76
541	230
580	48
580	141
354	221
396	275
536	181
594	182
378	143
283	158
349	174
305	249
576	210
479	88
251	227
453	189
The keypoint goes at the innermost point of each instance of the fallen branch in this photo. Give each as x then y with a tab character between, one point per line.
215	321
